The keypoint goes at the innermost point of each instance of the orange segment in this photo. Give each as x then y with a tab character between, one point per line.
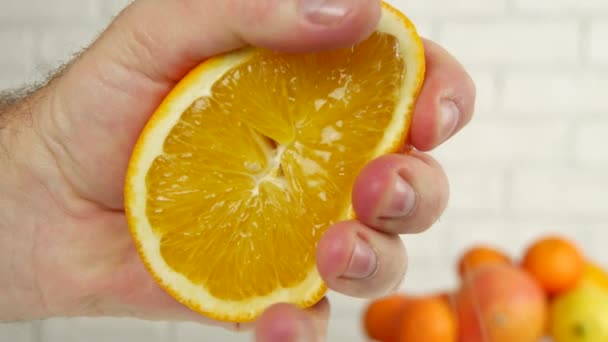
253	156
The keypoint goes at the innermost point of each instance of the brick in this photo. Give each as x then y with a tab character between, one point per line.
487	92
17	332
444	8
425	28
346	328
567	93
591	238
427	260
12	80
35	11
111	8
591	142
58	45
563	192
510	234
343	305
567	7
193	332
427	275
504	142
427	245
17	49
507	42
467	232
598	48
476	189
104	329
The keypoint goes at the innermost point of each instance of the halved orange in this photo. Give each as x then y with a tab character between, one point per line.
253	155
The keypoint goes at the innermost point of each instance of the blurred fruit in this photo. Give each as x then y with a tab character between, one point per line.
556	263
449	297
480	255
428	319
381	318
500	303
595	274
580	315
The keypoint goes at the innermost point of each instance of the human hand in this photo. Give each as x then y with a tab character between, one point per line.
75	254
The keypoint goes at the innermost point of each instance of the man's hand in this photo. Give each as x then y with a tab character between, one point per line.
67	146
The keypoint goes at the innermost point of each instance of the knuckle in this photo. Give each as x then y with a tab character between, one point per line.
251	11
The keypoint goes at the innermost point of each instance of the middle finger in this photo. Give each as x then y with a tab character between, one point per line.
400	194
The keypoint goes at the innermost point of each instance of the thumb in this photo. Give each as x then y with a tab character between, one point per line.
109	92
164	39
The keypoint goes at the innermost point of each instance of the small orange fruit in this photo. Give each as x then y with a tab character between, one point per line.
449	296
428	319
381	318
500	303
480	255
556	263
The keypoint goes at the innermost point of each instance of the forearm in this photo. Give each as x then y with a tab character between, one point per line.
20	297
49	228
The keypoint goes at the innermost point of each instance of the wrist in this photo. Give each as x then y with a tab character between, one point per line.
47	266
20	294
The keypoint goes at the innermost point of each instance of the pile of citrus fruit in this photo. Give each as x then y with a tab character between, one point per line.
553	291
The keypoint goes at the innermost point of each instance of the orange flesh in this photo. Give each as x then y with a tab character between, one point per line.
240	174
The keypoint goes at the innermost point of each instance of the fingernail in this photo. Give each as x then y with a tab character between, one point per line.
363	261
401	200
449	119
325	12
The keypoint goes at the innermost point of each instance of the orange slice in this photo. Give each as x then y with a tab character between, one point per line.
253	155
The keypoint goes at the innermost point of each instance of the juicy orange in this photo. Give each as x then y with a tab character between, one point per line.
381	318
555	262
500	302
480	255
429	318
253	155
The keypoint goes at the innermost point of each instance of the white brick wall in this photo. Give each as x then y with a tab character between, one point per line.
511	42
574	92
104	330
598	50
21	332
561	192
535	159
36	12
566	7
591	143
446	9
487	89
506	141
